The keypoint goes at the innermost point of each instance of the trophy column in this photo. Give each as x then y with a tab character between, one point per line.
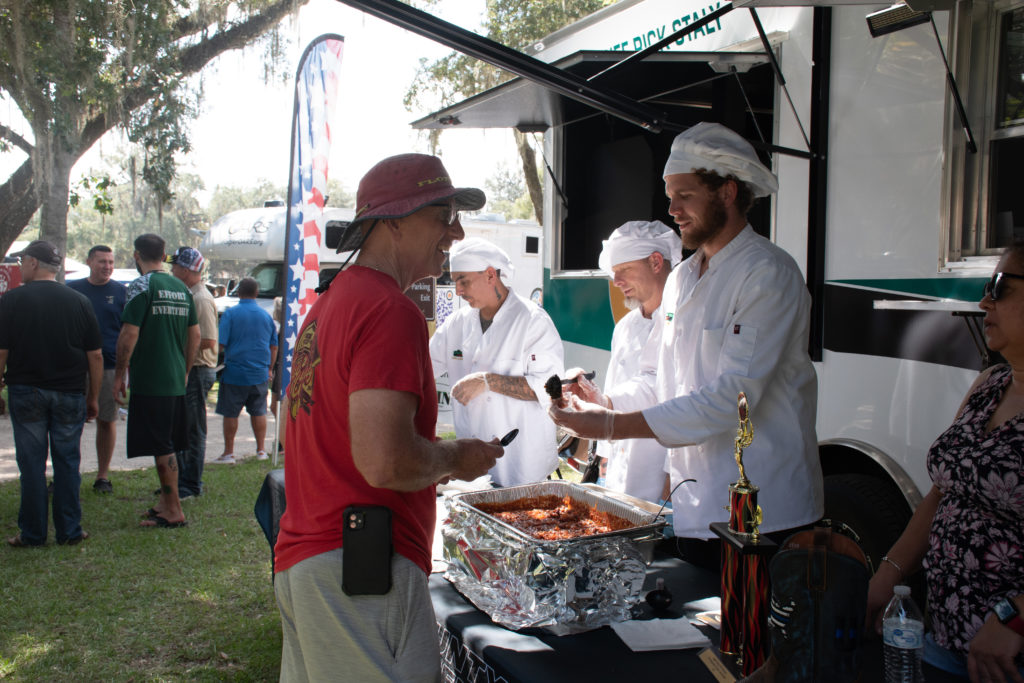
745	553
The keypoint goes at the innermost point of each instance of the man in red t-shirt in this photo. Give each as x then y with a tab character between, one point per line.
362	411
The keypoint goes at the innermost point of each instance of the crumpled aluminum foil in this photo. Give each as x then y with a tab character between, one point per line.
563	586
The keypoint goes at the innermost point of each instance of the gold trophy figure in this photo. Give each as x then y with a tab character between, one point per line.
744	512
744	437
744	562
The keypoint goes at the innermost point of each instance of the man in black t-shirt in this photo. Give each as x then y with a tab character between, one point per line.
49	342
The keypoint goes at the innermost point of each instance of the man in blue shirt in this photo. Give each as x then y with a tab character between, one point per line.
108	298
249	341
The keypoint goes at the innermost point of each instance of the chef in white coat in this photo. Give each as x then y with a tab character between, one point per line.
498	351
735	318
638	257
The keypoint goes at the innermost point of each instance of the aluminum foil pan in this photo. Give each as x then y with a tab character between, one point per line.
564	586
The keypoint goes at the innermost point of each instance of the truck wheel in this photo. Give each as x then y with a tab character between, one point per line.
868	509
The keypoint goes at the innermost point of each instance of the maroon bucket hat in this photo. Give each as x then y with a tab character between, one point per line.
401	185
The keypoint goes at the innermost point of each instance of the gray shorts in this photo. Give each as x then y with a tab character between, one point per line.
370	638
108	406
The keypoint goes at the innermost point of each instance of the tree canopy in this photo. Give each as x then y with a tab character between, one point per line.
76	69
517	24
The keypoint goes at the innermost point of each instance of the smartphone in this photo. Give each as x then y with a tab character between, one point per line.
367	550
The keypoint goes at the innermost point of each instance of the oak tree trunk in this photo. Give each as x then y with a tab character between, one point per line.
53	212
528	157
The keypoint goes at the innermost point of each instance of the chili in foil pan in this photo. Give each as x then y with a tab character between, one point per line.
564	586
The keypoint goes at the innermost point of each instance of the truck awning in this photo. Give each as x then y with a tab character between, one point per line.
532	106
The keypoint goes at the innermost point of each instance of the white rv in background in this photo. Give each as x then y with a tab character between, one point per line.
258	235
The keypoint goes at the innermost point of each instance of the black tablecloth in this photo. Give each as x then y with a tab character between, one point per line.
474	648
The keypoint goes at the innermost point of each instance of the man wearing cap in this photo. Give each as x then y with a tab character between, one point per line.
187	265
107	297
249	341
50	343
638	256
158	343
361	418
735	318
498	352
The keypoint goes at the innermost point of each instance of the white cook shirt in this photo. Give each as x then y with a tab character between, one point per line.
635	466
521	342
743	326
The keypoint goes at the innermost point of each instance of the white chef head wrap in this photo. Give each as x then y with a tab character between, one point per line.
475	255
637	240
714	147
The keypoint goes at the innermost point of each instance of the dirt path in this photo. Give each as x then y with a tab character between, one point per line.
245	445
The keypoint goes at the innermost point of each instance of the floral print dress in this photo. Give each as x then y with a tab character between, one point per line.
976	545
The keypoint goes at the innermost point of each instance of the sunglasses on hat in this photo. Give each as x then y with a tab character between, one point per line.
995	287
452	215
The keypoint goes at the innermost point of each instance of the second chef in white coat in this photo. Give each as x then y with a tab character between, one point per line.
498	352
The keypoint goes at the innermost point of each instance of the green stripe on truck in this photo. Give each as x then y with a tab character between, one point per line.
580	309
962	288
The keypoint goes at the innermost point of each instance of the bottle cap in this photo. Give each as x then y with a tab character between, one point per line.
902	591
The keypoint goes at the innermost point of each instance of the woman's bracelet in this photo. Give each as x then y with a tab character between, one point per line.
886	558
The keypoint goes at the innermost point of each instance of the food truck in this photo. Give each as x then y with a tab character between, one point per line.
898	187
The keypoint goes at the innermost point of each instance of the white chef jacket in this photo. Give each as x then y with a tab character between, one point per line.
743	326
635	466
521	342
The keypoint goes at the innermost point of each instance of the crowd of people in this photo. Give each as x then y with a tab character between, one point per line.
354	549
90	349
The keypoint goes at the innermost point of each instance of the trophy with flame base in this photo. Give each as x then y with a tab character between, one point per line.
745	555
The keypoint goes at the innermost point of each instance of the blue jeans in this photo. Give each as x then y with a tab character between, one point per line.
190	460
45	420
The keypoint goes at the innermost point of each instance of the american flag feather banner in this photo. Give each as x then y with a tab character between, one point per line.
316	90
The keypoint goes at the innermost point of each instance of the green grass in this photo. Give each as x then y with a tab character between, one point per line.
139	604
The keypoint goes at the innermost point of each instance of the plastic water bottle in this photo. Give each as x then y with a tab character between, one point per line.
902	638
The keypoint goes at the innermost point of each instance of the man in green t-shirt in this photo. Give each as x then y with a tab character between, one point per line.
158	343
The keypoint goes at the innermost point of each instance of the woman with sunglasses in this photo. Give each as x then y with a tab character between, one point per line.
968	532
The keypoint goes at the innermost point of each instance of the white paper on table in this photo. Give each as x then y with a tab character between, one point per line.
704	604
660	634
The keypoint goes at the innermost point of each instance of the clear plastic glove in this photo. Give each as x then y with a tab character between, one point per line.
582	419
585	389
469	387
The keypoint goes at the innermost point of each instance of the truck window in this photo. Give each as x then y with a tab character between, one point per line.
991	215
269	277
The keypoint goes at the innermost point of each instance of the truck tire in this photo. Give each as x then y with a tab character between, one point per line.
869	509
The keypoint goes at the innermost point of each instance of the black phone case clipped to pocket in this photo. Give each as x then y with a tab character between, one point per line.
366	555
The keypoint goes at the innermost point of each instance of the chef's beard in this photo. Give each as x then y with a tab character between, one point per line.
632	303
712	223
